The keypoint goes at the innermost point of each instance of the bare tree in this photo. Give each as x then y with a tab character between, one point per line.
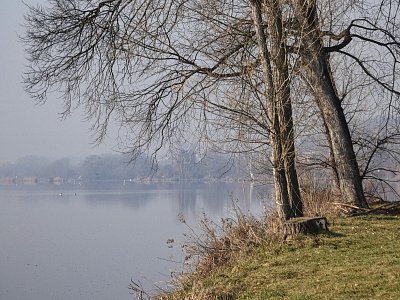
365	35
170	70
223	73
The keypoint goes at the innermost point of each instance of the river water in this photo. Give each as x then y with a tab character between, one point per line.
88	241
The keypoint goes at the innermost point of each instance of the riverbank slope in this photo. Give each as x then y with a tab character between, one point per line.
358	259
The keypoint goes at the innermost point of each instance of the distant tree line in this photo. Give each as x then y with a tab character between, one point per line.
187	165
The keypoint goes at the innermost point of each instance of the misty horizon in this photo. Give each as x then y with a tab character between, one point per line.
26	127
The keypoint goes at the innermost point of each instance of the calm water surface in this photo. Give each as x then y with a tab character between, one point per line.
89	242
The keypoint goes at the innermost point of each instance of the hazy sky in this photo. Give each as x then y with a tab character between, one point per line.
27	128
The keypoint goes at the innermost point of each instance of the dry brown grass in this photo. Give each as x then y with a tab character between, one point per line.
219	245
318	196
223	244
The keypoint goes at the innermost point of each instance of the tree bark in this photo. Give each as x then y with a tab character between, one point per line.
318	71
280	75
348	174
336	181
275	72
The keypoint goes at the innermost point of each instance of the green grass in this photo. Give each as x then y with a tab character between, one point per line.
358	259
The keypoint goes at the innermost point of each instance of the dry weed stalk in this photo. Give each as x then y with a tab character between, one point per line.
220	243
137	289
318	195
217	244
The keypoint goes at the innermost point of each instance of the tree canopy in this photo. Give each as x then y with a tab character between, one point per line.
241	75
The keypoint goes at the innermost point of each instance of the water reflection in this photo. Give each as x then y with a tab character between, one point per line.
188	199
89	242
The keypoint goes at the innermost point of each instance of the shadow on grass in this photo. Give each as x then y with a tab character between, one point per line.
334	234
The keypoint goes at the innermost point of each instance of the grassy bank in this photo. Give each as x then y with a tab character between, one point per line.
358	259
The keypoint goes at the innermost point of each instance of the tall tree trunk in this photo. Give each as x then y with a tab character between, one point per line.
348	174
287	192
280	75
316	64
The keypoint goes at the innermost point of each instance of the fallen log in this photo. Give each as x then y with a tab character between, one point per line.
349	209
389	208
